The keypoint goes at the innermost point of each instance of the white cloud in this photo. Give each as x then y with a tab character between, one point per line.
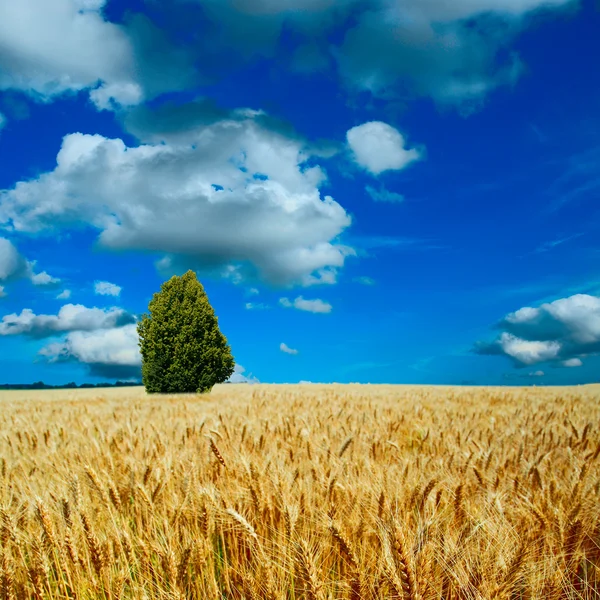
314	306
454	52
572	362
43	279
2	121
252	291
239	376
2	292
49	48
528	352
285	348
575	319
378	147
201	198
256	306
561	331
536	374
14	266
116	95
105	288
112	353
64	295
384	195
71	317
231	272
446	50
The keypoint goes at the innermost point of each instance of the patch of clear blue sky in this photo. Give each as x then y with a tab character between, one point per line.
515	176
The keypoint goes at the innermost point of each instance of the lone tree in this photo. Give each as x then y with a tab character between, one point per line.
181	345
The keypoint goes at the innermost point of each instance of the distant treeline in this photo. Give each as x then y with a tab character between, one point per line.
40	385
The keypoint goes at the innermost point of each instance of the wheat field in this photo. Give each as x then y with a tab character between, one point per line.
301	491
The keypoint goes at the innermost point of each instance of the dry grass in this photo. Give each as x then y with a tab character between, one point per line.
314	492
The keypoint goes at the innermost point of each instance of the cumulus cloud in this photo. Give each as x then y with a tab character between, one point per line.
64	295
382	194
71	317
240	376
105	288
454	52
116	95
571	362
536	374
111	353
14	266
379	147
43	279
561	332
314	306
286	349
528	352
576	318
49	48
232	193
256	306
2	292
446	50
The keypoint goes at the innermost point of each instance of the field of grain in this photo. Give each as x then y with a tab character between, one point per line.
314	492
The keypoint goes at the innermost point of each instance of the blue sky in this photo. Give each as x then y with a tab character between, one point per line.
369	190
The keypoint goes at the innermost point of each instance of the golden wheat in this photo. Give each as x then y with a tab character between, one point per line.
313	492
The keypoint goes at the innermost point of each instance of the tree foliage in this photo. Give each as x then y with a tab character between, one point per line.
181	345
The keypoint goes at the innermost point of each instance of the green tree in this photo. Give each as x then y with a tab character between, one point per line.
181	345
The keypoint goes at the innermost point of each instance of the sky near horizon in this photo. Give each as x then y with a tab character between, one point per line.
369	190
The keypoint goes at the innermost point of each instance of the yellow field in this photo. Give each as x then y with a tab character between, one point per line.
316	492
